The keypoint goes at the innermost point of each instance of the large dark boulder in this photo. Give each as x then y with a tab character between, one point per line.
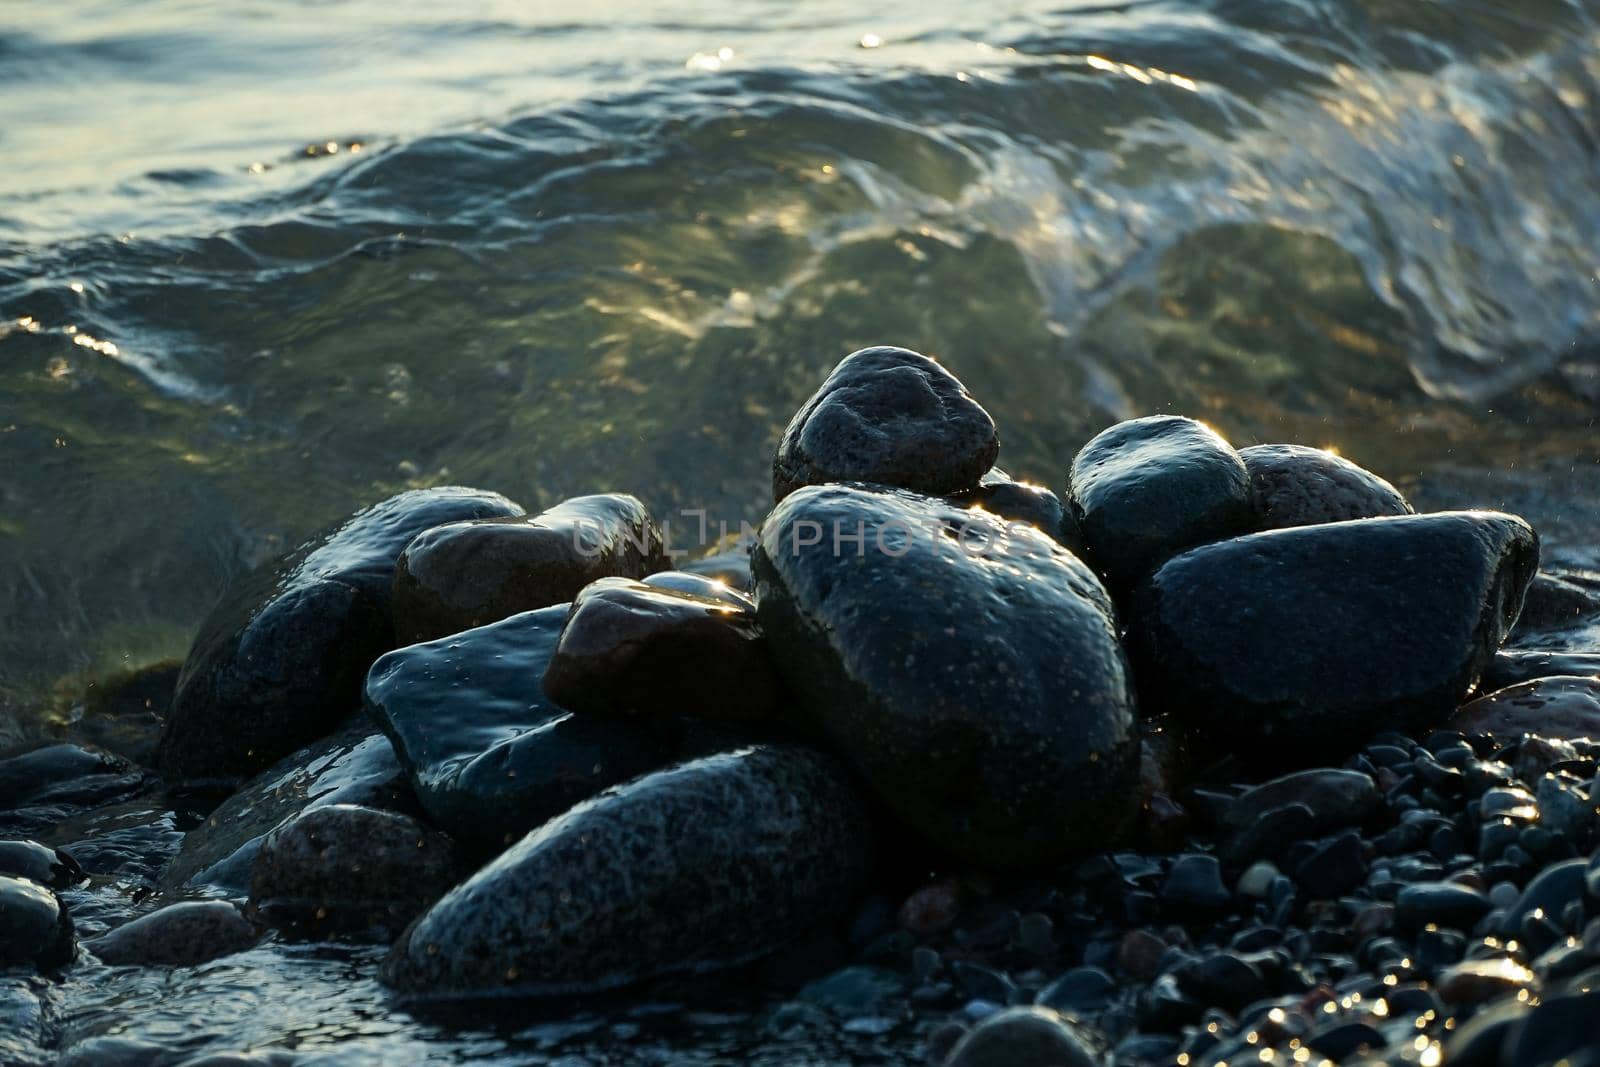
35	928
892	417
968	666
280	661
1296	485
674	643
1304	642
1146	489
466	574
705	865
489	754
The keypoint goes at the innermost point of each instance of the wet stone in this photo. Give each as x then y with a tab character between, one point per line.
1144	490
1307	641
1515	666
1334	797
1024	502
745	851
65	776
487	751
668	645
462	575
354	766
1023	1037
1444	903
887	416
178	935
280	661
1476	981
1335	867
48	867
968	668
35	929
345	868
1194	887
1080	990
1300	486
1555	708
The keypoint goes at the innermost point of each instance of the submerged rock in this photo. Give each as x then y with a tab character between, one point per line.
345	868
969	667
1146	489
888	416
60	777
39	863
1308	640
280	661
704	865
1514	666
489	754
35	928
1299	486
355	766
466	574
178	935
1559	708
673	644
1023	1037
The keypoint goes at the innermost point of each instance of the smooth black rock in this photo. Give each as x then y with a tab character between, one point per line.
64	775
1082	990
1516	666
969	668
178	935
892	417
1556	708
704	865
672	644
1194	886
1144	490
39	863
1023	1037
1024	502
356	765
1300	486
1222	979
35	928
1306	641
1551	891
280	661
1444	903
1337	866
1560	1027
345	868
1335	798
489	754
1341	1040
1558	602
466	574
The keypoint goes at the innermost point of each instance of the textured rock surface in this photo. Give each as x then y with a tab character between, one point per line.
738	853
968	667
466	574
892	417
1146	489
345	868
1558	707
673	644
1311	639
355	766
1299	486
35	929
178	935
279	662
489	754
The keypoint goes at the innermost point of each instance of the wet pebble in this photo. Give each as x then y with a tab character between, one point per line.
178	935
1023	1037
35	928
1300	486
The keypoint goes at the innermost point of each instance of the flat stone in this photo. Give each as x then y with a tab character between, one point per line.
741	852
887	416
1305	642
356	765
1146	489
1443	903
1300	486
345	868
1335	798
65	775
462	575
969	668
676	645
1559	708
1023	1037
488	753
35	929
179	935
280	661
